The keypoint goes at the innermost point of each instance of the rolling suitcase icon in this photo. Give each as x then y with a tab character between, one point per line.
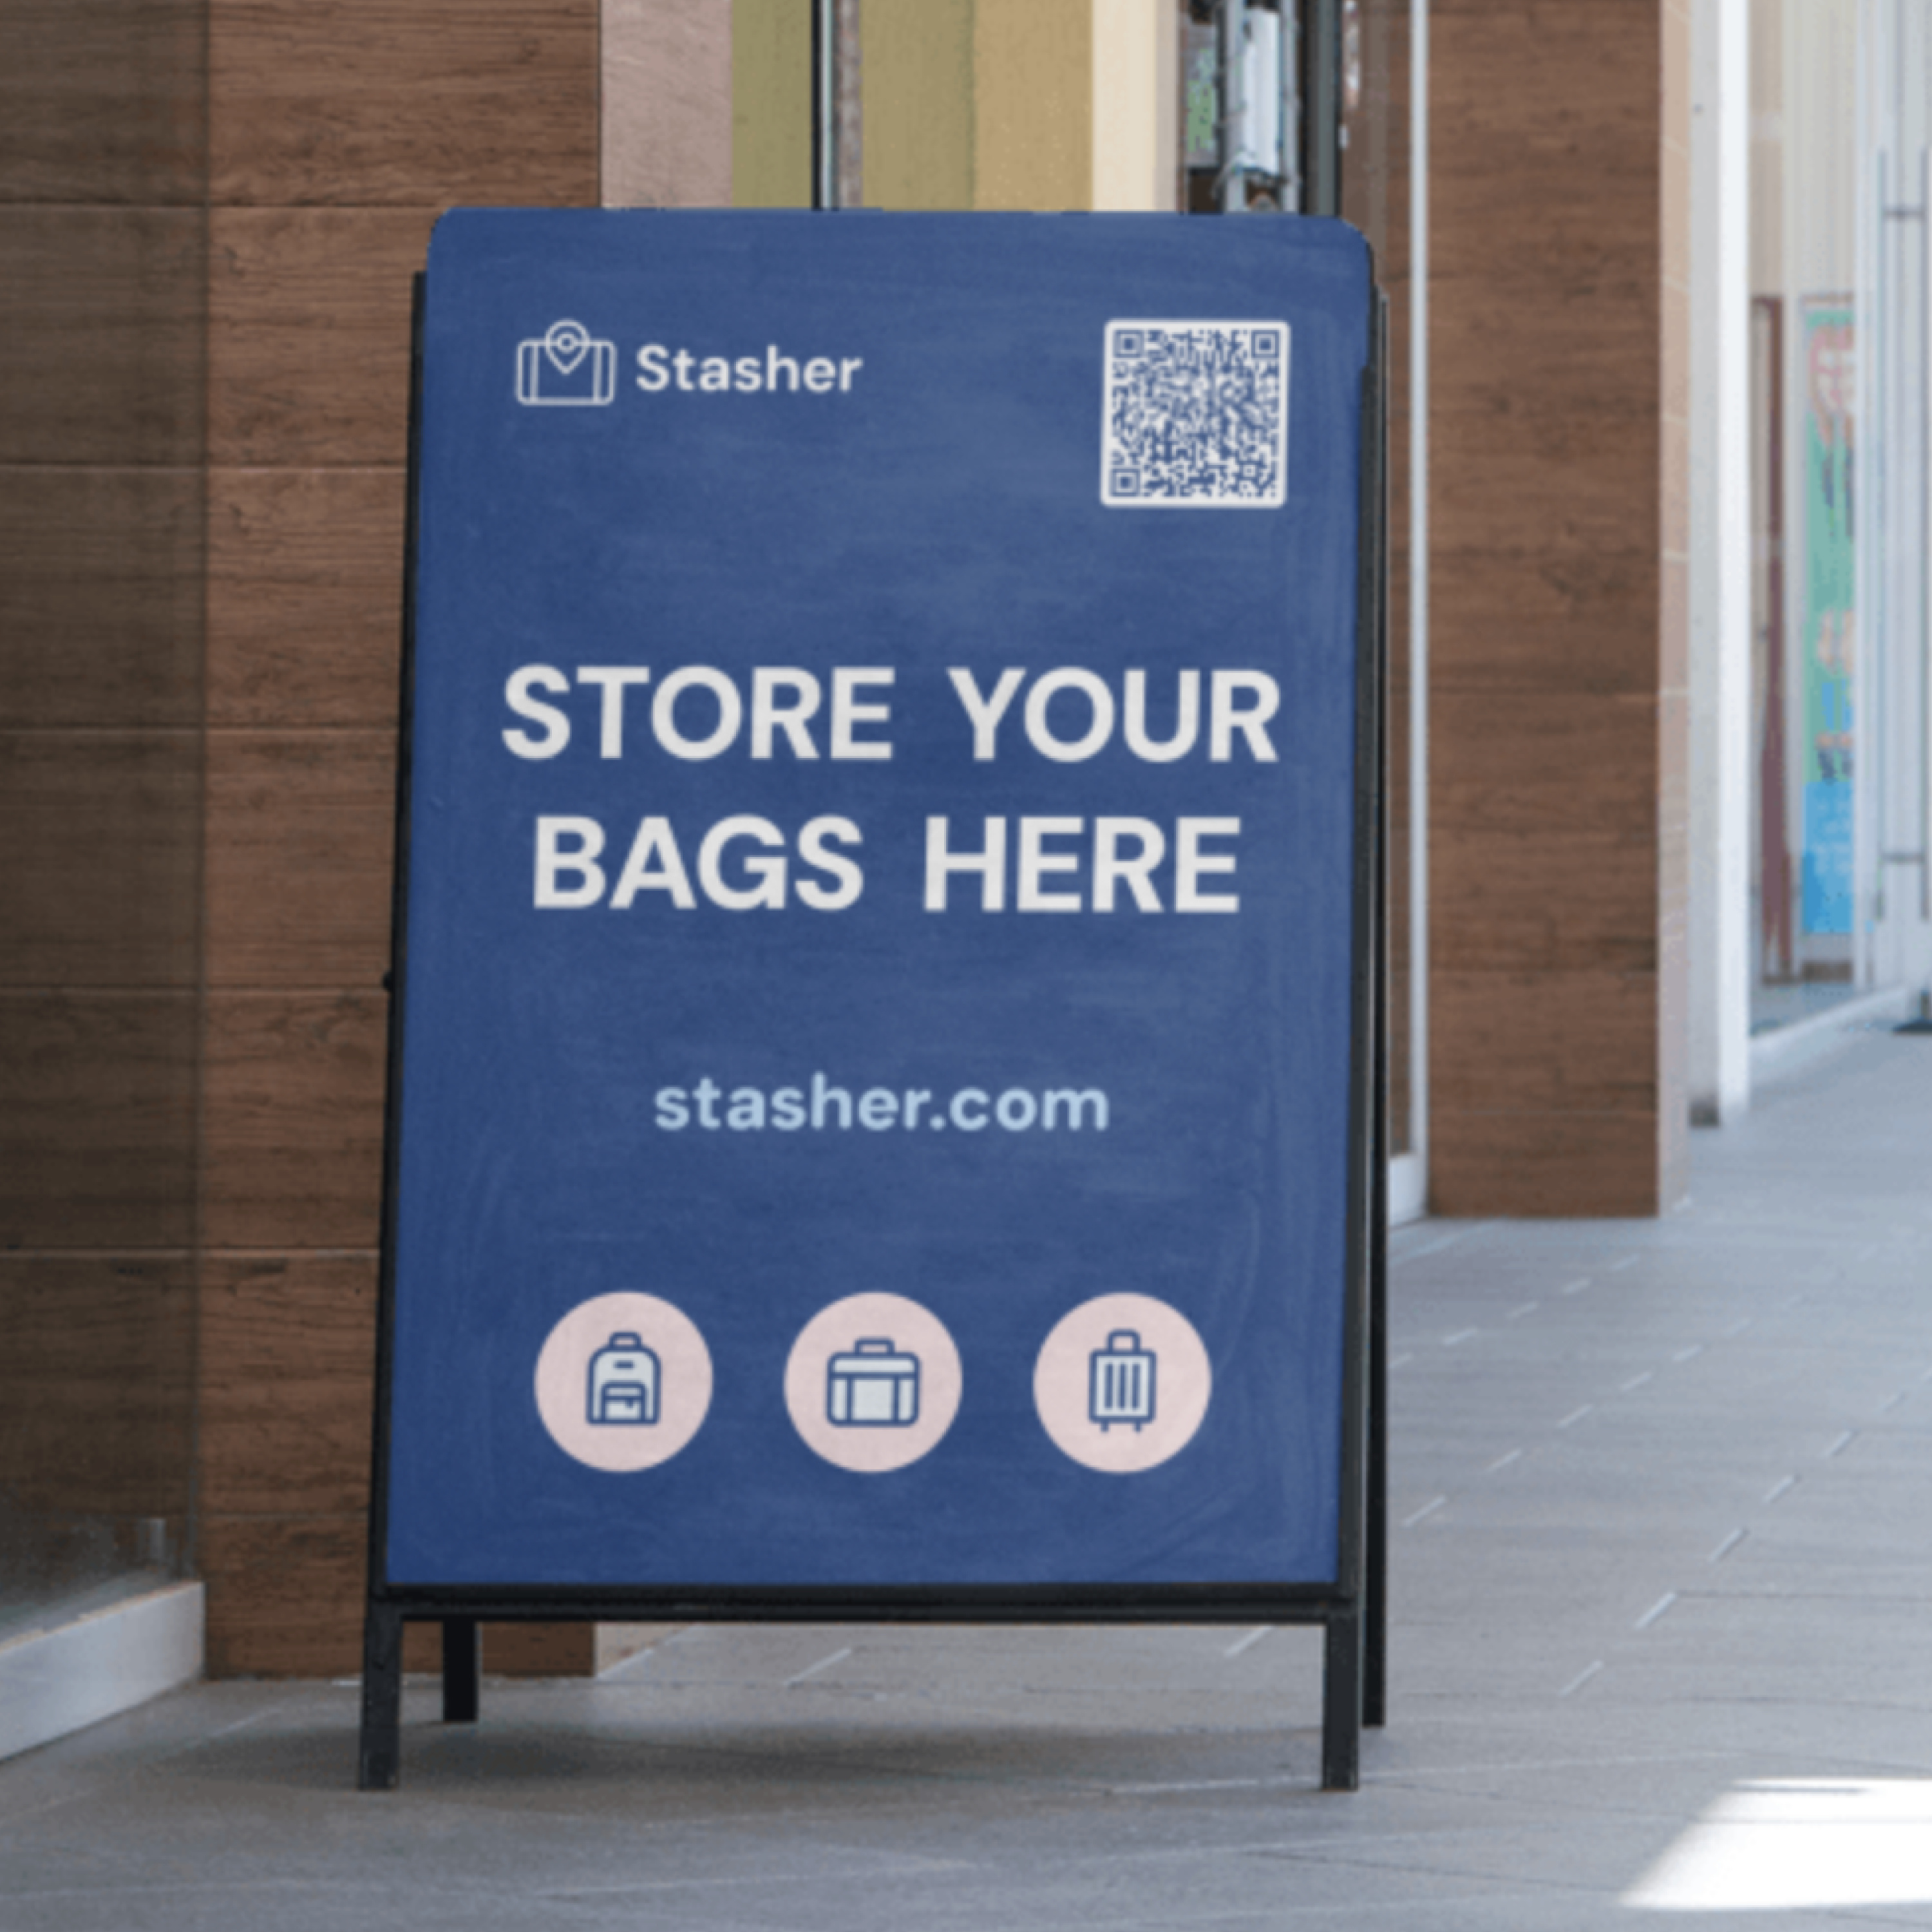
874	1387
1121	1381
623	1382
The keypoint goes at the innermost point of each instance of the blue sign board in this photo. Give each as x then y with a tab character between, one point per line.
878	1091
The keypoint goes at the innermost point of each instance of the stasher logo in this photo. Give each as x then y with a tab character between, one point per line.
566	367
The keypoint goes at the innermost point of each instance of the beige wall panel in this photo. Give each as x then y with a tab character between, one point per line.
293	1120
96	1360
667	127
96	1132
366	102
1136	104
305	596
101	864
100	597
771	104
1033	103
917	70
300	832
309	334
102	101
287	1362
100	334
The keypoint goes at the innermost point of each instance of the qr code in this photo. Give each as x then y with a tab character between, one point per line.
1195	415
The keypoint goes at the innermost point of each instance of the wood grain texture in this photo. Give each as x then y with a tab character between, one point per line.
1563	1162
102	101
305	596
101	316
285	1595
308	335
97	1119
96	1383
1495	1028
366	103
1559	619
667	116
286	1363
1547	437
100	597
301	830
292	1105
101	873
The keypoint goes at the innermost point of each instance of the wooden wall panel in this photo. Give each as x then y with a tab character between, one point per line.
304	597
339	129
103	101
100	598
102	289
300	829
365	102
97	1119
293	1120
286	1352
1546	711
103	870
308	334
95	1383
101	356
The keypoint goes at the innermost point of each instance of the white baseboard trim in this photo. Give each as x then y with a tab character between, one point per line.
1790	1049
1407	1189
60	1679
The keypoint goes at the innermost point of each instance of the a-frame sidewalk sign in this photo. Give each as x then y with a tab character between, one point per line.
886	1069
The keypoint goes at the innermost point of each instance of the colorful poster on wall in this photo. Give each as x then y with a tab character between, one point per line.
1828	326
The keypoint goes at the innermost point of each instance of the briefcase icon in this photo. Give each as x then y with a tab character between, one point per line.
1121	1381
623	1382
566	368
874	1387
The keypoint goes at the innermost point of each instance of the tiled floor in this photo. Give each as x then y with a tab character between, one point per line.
1662	1643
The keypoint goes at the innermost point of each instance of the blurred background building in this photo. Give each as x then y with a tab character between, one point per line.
1658	275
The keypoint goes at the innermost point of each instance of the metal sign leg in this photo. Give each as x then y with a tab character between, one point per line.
462	1669
1342	1702
382	1700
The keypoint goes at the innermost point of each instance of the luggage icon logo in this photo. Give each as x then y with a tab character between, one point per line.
1121	1381
566	368
872	1386
623	1382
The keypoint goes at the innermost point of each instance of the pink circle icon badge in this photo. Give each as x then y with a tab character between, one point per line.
623	1382
873	1382
1123	1383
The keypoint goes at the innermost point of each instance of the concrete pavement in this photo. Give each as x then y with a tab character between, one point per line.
1662	1642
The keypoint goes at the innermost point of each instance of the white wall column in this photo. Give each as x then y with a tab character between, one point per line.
1720	560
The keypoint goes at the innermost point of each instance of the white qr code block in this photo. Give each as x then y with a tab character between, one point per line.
1194	416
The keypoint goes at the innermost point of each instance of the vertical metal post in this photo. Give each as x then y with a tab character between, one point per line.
1375	1573
462	1669
1232	180
1342	1701
380	1755
1289	194
1321	117
837	142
